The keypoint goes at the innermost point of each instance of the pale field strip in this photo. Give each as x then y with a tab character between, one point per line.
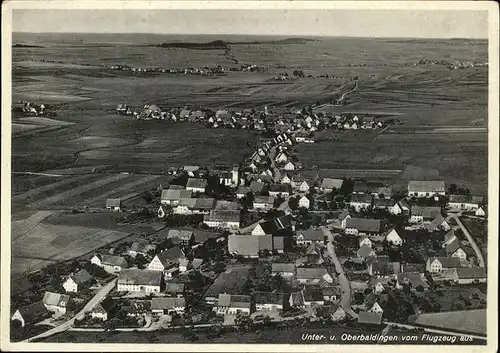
19	228
124	187
44	121
78	190
34	192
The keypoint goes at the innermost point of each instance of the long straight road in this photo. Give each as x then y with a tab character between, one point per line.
96	299
471	240
345	301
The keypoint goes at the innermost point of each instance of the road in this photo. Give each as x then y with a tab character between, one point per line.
443	332
345	301
96	299
469	237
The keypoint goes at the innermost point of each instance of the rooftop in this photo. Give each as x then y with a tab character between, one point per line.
135	276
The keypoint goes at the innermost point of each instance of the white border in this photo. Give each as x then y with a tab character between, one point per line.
493	110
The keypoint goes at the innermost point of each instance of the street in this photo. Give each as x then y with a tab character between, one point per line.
471	240
96	299
345	301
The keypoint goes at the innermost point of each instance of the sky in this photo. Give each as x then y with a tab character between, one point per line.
337	22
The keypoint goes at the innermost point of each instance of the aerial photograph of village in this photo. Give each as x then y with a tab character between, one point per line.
171	183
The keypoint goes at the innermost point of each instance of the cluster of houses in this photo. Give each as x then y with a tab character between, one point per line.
31	109
301	123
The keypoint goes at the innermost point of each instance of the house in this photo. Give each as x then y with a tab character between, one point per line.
363	226
440	264
174	289
343	217
412	267
135	280
166	259
464	202
470	275
263	203
267	227
369	318
281	158
191	170
142	247
225	178
365	187
394	238
110	263
304	185
282	190
77	281
265	242
386	204
379	284
285	270
382	192
454	249
313	254
361	201
243	245
404	207
313	297
257	187
242	191
268	301
424	213
31	314
481	212
426	188
304	202
336	312
372	305
286	179
289	166
196	185
233	304
413	279
179	236
438	223
296	300
114	204
310	236
313	275
161	212
365	241
167	306
184	114
104	309
366	252
329	184
172	196
223	219
55	302
331	294
383	268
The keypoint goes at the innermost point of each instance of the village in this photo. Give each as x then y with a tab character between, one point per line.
268	243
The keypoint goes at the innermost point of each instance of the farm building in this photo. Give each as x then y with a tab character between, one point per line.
233	304
268	301
424	213
191	170
481	212
282	190
166	259
313	297
223	219
196	185
140	247
464	202
110	263
426	188
304	202
386	204
263	203
469	275
55	302
114	204
31	314
135	280
104	309
378	267
242	191
361	201
363	226
285	270
438	223
336	312
454	249
77	281
313	275
394	238
167	306
180	236
307	237
243	245
369	318
175	289
172	196
440	264
328	184
414	279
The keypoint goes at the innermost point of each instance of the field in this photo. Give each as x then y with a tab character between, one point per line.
88	153
479	230
470	321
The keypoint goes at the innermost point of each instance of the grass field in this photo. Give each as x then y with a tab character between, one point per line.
471	321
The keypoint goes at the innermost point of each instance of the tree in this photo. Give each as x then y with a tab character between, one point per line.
188	334
140	261
452	189
111	325
293	203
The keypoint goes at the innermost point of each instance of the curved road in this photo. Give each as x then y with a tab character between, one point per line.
345	301
479	254
103	292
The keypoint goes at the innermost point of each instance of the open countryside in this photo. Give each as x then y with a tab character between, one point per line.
247	189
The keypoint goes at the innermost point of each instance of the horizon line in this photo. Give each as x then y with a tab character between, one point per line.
259	35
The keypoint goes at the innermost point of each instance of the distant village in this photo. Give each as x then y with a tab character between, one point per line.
268	242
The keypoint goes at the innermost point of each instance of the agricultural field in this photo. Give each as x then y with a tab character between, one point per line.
470	321
479	230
